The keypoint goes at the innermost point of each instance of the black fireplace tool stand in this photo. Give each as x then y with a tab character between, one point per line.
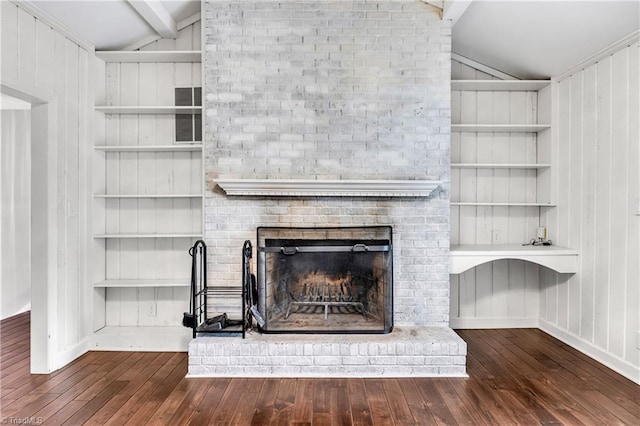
203	296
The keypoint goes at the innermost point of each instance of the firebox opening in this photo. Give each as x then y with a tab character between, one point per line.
325	280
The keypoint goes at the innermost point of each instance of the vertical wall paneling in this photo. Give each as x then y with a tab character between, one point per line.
504	291
632	297
44	54
39	58
620	209
575	197
10	60
73	185
596	310
26	46
15	217
587	202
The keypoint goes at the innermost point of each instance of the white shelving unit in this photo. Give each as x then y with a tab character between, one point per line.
533	139
500	128
148	195
156	235
480	203
149	148
498	166
120	196
146	110
142	283
151	56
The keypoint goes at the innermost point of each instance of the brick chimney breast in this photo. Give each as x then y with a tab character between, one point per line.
331	90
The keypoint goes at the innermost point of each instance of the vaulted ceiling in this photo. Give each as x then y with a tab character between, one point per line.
113	24
540	39
527	39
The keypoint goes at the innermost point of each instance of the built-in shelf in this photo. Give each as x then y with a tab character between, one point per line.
149	109
499	166
479	203
499	85
327	188
500	128
148	195
151	56
560	259
156	227
159	235
166	339
184	282
149	148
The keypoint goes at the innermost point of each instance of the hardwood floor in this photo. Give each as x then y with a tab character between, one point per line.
516	377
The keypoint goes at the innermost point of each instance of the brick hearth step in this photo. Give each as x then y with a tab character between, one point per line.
406	352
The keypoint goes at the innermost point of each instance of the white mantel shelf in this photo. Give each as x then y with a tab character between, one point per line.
327	188
560	259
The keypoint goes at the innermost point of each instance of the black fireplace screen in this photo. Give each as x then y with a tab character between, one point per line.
325	280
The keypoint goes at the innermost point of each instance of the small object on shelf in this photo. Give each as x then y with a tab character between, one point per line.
541	238
538	242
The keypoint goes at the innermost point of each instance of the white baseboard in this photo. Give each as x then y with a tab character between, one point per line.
478	323
65	357
617	364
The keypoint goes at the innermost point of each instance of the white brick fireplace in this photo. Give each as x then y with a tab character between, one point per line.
332	92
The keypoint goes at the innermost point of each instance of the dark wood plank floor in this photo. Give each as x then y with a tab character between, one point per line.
516	377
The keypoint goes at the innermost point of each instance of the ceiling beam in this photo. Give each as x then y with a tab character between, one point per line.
453	9
157	16
181	25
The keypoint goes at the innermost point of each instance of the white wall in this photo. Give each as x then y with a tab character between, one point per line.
597	310
15	207
39	58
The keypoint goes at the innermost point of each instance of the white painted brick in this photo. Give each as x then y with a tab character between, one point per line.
354	360
327	360
352	104
215	360
299	360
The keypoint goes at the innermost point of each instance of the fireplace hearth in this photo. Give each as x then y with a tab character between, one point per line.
325	280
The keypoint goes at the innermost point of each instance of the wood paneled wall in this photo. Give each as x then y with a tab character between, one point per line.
43	59
15	217
502	293
149	84
598	186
